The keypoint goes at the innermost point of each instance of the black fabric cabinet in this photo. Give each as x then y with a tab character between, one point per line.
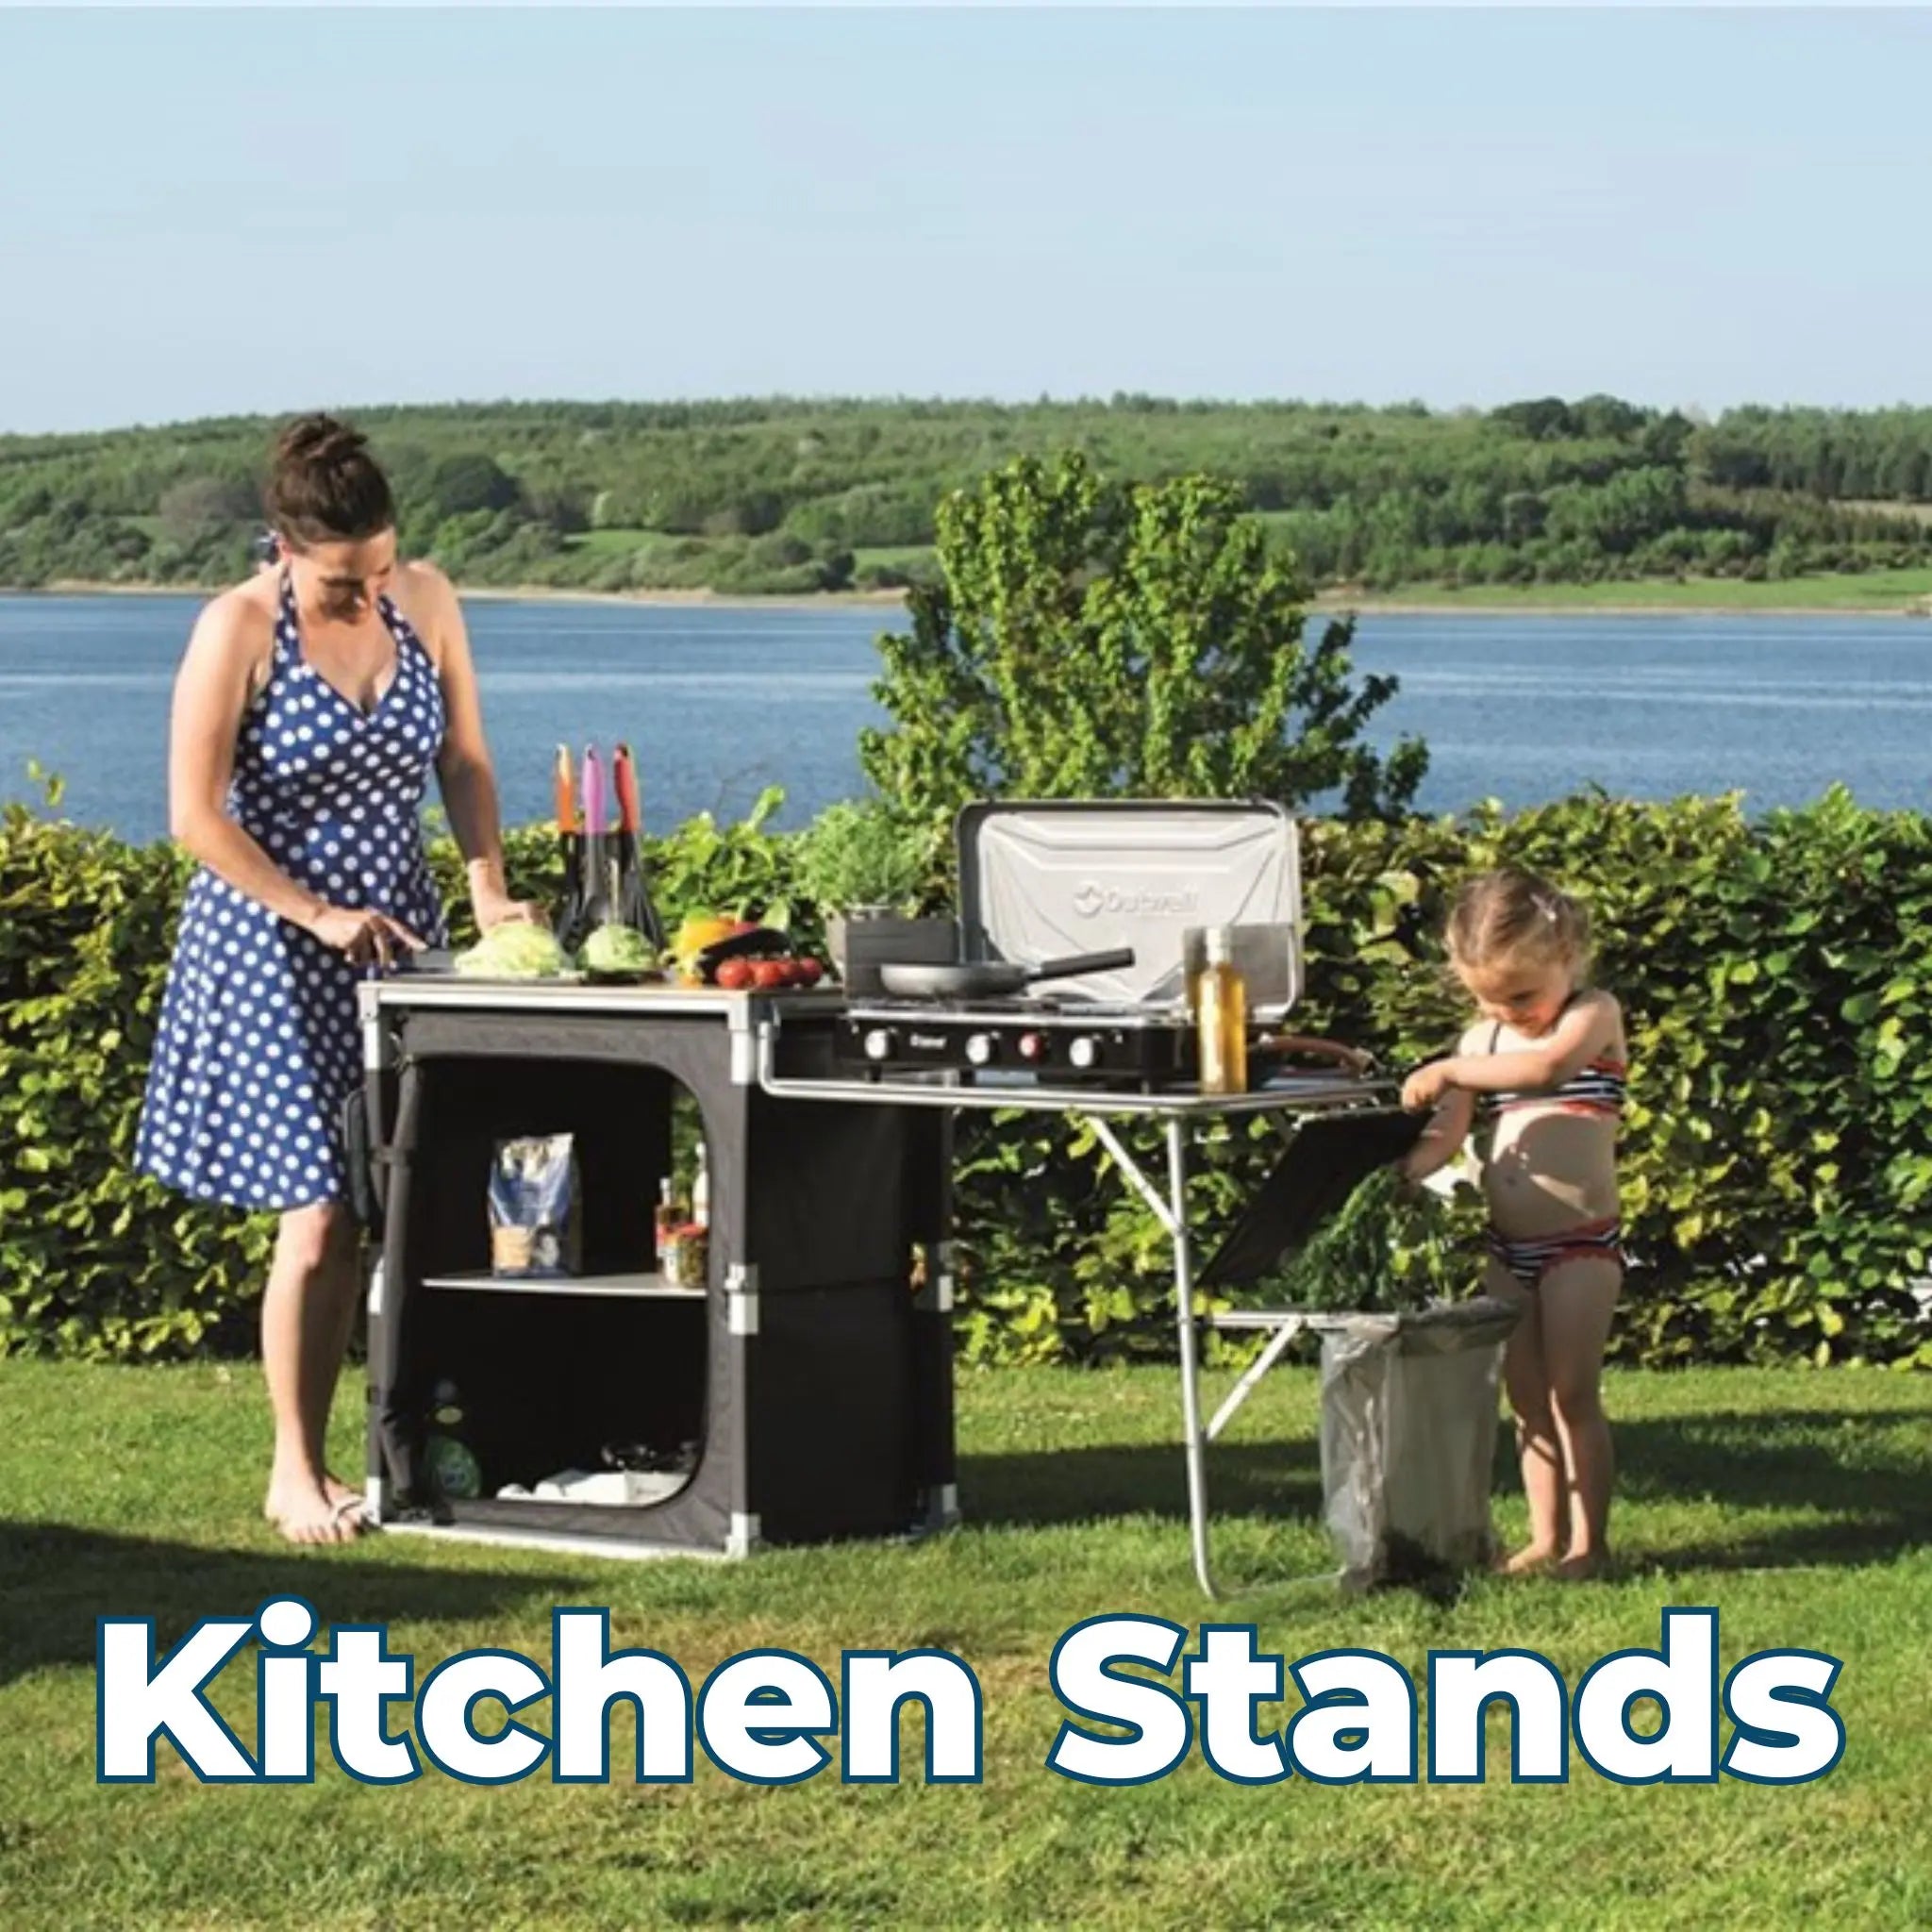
814	1372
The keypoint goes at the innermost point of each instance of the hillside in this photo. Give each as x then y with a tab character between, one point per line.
777	495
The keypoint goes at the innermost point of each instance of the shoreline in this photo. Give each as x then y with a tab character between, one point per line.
1324	604
505	593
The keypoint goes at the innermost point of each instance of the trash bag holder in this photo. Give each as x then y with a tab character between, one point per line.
1407	1429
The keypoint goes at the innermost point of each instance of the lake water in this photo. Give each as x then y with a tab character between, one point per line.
720	702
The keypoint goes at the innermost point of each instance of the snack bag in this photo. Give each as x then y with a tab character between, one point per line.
536	1209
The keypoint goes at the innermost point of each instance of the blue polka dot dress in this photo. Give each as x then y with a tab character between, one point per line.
258	1046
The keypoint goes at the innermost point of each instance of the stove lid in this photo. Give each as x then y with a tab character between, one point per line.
1042	880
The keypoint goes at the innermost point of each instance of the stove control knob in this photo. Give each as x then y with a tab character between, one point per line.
1032	1046
1084	1052
878	1044
979	1049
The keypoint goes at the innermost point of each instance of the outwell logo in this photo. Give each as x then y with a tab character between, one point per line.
1142	902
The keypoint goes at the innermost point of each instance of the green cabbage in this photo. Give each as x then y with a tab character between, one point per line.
618	949
514	951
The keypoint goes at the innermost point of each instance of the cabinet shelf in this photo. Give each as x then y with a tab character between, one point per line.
633	1285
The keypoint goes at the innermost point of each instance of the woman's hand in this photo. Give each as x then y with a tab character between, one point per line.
364	935
499	909
1425	1085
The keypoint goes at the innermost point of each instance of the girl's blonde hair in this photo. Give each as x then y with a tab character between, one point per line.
1511	915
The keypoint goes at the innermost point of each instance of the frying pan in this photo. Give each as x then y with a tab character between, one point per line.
990	979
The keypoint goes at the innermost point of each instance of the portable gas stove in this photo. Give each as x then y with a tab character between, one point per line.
1060	1039
1047	880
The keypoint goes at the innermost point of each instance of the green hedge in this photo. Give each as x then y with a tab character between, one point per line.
1777	1175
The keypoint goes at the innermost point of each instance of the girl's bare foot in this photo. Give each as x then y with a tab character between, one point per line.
305	1513
1527	1561
1584	1566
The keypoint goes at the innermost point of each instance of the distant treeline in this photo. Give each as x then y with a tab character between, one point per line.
781	496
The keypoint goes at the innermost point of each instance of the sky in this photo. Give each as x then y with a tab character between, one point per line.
220	212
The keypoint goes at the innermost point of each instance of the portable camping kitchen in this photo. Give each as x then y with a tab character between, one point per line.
811	1376
813	1373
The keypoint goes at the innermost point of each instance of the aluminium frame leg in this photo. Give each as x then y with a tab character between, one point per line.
1171	1212
1252	1375
1191	1372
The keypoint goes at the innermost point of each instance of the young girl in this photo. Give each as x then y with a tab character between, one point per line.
1543	1069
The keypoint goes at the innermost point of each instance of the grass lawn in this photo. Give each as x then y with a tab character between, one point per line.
1798	1504
610	542
620	542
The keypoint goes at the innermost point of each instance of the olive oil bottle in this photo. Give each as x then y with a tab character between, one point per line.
1222	1010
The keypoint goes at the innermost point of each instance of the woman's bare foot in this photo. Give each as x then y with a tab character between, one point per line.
304	1512
344	1497
1527	1561
1584	1566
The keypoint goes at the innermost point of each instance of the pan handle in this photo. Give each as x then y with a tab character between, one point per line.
1279	1045
1082	962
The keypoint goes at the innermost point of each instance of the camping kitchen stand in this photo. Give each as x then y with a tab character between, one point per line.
825	1405
803	1393
812	1376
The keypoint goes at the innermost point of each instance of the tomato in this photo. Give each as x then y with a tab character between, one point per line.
735	974
808	972
768	975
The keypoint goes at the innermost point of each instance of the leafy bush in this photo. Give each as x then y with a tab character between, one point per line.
1777	1156
96	1260
862	853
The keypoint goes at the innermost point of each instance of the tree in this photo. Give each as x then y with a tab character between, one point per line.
1092	641
1544	419
1606	416
467	480
1620	514
189	511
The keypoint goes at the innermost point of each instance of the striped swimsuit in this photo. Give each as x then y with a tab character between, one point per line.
1596	1090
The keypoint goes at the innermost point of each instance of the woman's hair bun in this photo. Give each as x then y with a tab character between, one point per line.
323	485
319	439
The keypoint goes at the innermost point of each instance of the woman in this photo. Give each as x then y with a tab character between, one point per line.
311	703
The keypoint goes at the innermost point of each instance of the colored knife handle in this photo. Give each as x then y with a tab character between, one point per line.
628	817
593	793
